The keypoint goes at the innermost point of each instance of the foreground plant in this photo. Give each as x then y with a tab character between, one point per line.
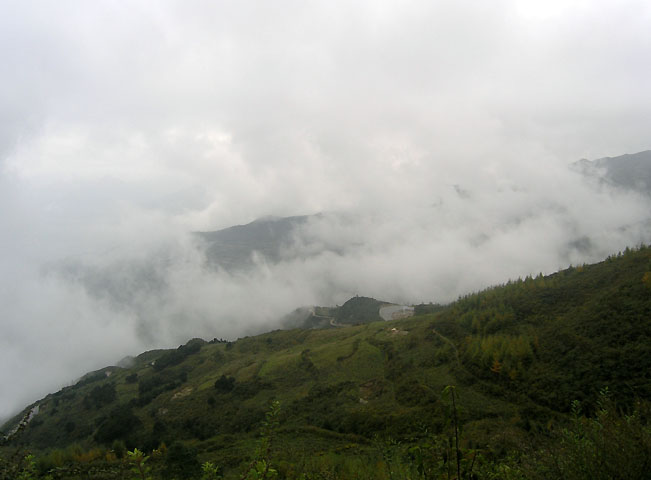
260	468
210	471
139	469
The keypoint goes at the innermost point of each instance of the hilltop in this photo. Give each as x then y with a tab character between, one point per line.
517	355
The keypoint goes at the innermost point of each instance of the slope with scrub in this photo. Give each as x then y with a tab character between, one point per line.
371	395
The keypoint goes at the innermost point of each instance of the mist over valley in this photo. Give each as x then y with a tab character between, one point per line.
220	171
242	280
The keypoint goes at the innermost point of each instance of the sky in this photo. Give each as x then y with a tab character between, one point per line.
444	130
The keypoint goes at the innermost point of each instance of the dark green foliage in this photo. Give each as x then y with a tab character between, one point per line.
327	414
119	448
19	467
121	424
197	427
177	356
250	389
90	378
159	430
428	308
239	419
607	445
413	393
152	386
224	384
100	395
561	337
132	378
139	464
261	466
215	340
359	310
70	426
181	462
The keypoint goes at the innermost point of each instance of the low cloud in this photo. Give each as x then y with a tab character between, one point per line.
81	297
434	137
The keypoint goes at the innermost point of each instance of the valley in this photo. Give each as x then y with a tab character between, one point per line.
508	366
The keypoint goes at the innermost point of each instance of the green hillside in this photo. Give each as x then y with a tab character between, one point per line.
504	371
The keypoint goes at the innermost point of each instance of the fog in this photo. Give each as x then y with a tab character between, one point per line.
436	139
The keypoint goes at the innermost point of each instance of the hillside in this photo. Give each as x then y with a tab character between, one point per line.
517	355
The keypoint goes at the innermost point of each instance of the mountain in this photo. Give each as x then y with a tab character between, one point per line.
233	248
273	239
631	171
503	366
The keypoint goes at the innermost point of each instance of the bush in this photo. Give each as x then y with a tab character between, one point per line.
177	356
605	446
225	384
181	462
121	424
100	396
119	448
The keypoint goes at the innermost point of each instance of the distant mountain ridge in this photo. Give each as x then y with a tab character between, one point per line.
233	248
272	239
630	171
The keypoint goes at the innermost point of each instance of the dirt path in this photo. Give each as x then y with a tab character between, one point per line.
334	323
331	320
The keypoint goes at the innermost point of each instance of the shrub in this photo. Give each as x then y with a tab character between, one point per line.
225	384
100	396
181	462
608	445
177	356
121	424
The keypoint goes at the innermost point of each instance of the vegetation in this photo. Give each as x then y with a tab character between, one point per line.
359	310
544	377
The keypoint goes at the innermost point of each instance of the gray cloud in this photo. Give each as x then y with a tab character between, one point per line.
125	126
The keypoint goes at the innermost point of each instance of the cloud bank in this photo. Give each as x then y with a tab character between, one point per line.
437	133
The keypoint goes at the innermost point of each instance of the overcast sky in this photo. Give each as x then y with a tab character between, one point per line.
447	126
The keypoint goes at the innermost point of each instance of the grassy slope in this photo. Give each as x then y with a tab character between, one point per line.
518	354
